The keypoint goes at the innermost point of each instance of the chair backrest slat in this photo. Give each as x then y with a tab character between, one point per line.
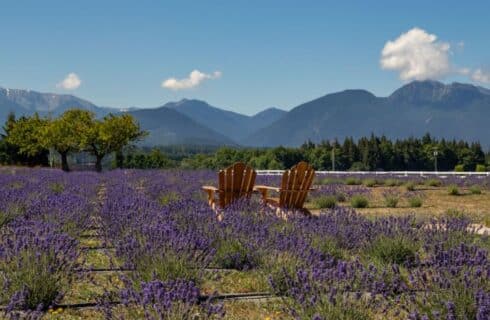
235	182
295	185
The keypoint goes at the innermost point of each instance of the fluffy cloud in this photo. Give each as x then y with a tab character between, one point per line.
195	78
480	75
417	55
71	82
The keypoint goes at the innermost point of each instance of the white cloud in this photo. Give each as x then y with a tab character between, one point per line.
480	75
195	78
71	82
417	55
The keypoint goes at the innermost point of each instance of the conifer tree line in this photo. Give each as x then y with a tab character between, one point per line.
28	140
367	153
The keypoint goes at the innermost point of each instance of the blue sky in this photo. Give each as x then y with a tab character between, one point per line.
250	54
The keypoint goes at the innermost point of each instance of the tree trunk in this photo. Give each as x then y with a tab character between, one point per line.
64	161
119	159
98	163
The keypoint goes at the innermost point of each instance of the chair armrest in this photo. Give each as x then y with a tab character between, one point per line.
211	191
286	190
209	188
263	188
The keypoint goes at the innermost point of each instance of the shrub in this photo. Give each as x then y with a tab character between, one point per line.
433	183
391	200
456	214
388	250
359	201
37	264
166	266
369	182
475	190
358	166
232	254
57	187
327	181
410	186
415	202
329	246
9	214
351	181
309	298
172	299
459	168
324	202
480	168
392	182
168	198
453	190
340	196
280	270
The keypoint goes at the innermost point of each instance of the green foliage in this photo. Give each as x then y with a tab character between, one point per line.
154	159
232	254
27	133
358	166
74	131
36	276
388	250
410	186
339	307
480	168
57	187
415	202
327	181
167	266
110	135
475	190
433	182
368	153
391	200
279	269
392	182
6	217
352	181
324	202
330	246
459	168
453	190
10	153
359	201
369	182
341	197
168	197
453	213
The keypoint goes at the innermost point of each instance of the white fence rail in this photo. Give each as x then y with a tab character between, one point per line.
440	174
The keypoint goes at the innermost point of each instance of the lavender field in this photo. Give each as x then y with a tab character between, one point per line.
130	244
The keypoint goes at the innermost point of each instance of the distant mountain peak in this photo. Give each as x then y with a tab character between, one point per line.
430	91
270	110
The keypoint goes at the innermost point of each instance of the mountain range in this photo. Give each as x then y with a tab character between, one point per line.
455	110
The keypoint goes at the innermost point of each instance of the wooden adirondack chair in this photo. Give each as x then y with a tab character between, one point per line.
296	182
234	182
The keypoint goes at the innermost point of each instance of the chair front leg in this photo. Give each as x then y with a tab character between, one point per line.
264	193
210	197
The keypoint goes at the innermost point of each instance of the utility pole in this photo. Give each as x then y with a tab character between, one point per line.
333	155
435	159
51	150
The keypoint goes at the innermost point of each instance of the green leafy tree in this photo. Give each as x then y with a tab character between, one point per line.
66	133
27	135
109	135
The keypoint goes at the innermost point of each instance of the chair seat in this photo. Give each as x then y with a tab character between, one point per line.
273	201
